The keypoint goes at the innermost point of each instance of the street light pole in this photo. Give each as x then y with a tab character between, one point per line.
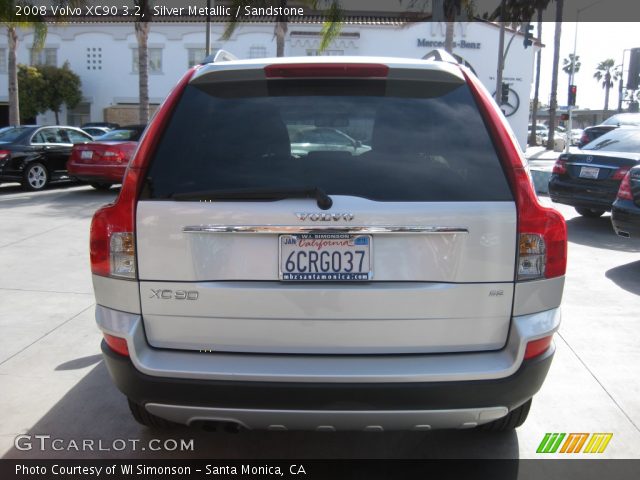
571	79
208	33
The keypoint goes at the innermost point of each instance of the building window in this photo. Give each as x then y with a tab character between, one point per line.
257	51
94	58
197	55
45	56
155	60
3	60
312	52
79	115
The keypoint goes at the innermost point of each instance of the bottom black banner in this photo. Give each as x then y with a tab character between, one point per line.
321	469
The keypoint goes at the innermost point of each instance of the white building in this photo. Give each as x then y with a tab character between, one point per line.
104	56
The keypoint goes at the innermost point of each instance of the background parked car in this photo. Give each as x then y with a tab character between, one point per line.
109	125
589	180
104	161
625	213
576	135
622	119
35	155
96	131
314	139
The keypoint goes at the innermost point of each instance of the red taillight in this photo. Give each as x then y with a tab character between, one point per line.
114	154
624	192
534	220
324	70
560	167
114	255
537	347
4	154
117	344
620	173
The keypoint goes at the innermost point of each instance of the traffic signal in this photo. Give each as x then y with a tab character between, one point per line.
504	94
573	91
633	80
528	35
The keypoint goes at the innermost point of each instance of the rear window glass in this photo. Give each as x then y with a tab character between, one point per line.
619	140
132	135
384	140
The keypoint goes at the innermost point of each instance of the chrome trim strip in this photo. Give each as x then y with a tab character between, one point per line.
293	229
331	420
597	165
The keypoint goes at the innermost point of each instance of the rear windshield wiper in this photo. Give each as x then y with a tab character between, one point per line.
324	200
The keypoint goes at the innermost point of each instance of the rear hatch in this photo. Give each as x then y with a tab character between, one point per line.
239	250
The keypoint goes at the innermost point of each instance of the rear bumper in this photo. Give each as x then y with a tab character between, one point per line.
341	391
97	173
585	196
625	218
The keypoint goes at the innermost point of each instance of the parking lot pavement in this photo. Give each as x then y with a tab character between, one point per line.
53	381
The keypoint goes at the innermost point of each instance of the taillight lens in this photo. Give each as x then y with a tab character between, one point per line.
316	70
542	232
537	347
4	154
620	173
117	344
114	154
560	167
624	192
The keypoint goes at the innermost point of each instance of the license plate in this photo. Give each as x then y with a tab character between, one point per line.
589	172
86	154
325	257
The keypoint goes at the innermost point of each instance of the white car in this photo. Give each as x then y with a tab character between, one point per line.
412	286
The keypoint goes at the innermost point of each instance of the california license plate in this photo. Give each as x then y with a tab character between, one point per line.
86	154
325	257
589	172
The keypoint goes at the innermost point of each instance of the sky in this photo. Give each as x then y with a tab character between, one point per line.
596	42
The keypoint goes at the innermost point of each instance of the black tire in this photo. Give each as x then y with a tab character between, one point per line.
103	187
143	417
513	419
35	177
589	212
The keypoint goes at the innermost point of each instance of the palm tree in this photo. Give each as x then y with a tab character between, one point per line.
331	28
142	27
534	111
566	64
607	74
554	77
12	23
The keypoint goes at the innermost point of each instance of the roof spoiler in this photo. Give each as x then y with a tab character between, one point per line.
219	56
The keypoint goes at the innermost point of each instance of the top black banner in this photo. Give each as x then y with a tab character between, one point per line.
348	11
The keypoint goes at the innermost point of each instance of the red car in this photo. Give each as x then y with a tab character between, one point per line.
104	161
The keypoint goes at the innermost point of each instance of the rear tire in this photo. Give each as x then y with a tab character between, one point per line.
143	417
103	187
589	212
512	420
35	177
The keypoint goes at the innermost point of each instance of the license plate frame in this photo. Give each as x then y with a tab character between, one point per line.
591	173
364	274
86	154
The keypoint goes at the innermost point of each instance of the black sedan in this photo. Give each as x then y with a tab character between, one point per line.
589	134
589	180
36	155
625	213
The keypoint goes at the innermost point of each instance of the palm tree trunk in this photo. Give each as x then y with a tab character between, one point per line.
14	106
554	78
607	86
142	35
448	36
534	114
281	30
